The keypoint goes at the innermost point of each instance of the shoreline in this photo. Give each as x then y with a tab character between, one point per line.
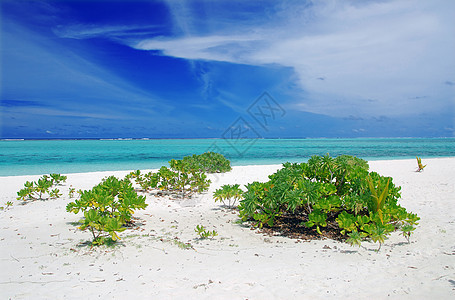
74	156
43	250
243	165
218	138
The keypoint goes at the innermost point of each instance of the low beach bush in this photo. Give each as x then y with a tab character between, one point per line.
42	188
334	197
184	177
208	162
107	208
177	180
188	177
228	194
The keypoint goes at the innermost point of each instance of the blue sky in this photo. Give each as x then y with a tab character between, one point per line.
181	69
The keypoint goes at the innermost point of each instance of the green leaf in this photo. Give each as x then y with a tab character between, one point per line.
318	218
378	196
346	222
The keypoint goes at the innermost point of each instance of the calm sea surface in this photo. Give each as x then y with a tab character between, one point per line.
72	156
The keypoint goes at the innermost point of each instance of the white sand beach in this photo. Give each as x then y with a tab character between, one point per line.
42	256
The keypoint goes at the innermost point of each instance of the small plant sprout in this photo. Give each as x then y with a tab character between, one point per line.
228	194
182	245
203	233
355	239
420	166
7	205
71	192
377	232
407	231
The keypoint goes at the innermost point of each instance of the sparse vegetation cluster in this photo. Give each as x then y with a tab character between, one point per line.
179	180
335	197
109	206
42	188
184	177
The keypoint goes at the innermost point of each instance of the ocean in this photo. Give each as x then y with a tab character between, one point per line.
34	157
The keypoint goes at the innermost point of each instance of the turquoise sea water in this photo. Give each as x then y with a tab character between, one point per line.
31	157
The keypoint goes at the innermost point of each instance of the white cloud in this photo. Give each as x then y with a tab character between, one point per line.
70	82
84	31
205	48
390	51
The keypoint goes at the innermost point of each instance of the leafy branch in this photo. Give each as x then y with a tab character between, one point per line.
37	190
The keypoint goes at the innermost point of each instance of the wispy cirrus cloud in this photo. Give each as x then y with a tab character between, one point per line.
391	51
70	82
86	31
217	48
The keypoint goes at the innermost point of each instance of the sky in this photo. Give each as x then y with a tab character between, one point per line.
227	69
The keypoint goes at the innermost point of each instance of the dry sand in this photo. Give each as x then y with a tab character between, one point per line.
41	256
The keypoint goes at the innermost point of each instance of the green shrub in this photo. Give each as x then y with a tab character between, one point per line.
182	178
208	162
107	208
326	193
228	194
37	190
